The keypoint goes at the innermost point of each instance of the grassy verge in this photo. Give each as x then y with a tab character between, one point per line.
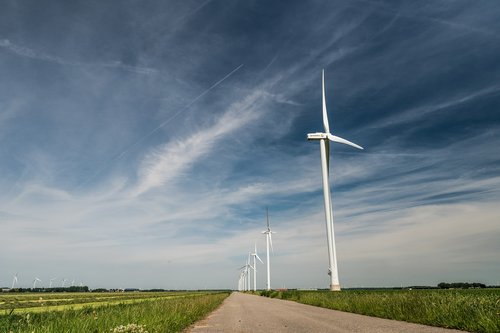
44	305
42	300
470	310
161	315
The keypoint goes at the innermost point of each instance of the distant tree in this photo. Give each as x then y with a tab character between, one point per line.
461	285
443	285
100	290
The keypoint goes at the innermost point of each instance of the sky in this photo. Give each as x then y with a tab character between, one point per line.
142	140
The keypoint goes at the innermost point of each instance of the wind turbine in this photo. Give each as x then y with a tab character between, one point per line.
239	282
249	266
244	274
255	255
63	282
14	280
269	241
35	281
324	139
50	282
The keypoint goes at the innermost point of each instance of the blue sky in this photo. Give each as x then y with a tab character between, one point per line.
140	141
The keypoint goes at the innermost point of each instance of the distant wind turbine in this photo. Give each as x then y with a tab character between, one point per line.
35	281
14	280
255	255
244	274
63	282
324	139
249	267
269	241
50	282
241	281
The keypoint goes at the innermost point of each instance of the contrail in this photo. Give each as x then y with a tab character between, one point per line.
119	156
178	112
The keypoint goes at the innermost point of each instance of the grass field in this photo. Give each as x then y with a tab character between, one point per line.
475	310
104	312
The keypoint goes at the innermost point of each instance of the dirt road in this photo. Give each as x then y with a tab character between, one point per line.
249	313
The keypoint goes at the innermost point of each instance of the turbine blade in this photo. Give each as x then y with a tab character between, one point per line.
344	141
267	217
325	115
257	256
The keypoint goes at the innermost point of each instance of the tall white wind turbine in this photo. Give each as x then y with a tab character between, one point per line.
35	281
255	256
324	139
50	282
269	242
14	280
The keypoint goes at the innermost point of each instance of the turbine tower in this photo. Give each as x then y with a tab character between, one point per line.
247	272
14	280
269	241
255	255
324	139
50	282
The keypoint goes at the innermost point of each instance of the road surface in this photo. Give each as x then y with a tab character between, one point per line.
250	313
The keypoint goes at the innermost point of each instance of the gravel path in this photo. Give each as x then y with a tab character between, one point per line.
249	313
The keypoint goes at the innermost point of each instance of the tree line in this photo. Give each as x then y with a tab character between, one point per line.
461	285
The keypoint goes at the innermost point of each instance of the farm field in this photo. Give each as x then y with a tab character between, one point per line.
105	312
475	310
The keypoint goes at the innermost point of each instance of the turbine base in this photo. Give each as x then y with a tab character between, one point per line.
335	287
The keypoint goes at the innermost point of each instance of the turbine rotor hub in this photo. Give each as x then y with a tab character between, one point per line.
317	136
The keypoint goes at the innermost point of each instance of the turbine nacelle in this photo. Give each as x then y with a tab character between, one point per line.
317	136
331	137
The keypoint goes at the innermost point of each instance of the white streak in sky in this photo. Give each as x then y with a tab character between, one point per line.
178	112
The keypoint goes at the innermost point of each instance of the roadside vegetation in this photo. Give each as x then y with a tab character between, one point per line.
131	312
475	310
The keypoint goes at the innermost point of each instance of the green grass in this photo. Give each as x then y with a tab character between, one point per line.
475	310
159	314
37	302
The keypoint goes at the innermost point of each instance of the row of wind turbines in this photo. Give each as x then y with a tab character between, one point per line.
244	281
15	282
324	139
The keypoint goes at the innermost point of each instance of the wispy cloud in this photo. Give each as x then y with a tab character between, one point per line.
27	52
173	158
420	112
